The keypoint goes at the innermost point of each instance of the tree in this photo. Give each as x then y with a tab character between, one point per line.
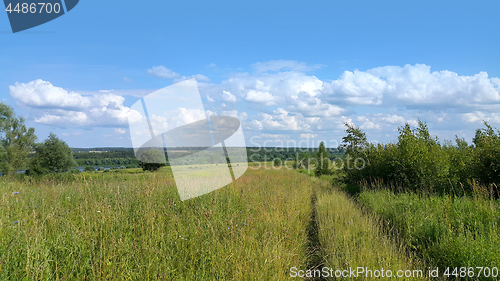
355	142
152	160
323	161
53	155
16	140
89	169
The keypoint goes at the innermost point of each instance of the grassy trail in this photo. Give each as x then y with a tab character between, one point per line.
350	238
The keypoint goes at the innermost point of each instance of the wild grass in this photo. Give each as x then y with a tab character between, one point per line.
125	226
444	231
350	238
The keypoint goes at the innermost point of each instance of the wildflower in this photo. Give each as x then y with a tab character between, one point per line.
27	206
175	204
244	224
228	228
15	221
98	211
16	192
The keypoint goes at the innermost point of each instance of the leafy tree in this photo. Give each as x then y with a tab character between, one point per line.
89	169
486	158
17	141
152	160
53	155
356	147
323	161
355	142
302	161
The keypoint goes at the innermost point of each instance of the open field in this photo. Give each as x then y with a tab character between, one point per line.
133	227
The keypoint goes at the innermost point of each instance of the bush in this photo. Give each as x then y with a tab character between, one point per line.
89	169
419	162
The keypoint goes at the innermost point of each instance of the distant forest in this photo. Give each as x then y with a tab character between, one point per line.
123	156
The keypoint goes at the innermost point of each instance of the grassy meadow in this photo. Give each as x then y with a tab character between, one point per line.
444	231
132	226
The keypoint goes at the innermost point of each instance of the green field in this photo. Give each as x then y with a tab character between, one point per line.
131	225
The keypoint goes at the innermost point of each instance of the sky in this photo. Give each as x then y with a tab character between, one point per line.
291	71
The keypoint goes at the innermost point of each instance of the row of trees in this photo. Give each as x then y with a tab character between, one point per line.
419	161
17	142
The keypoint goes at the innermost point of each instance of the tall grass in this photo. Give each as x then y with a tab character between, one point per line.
445	231
133	227
350	238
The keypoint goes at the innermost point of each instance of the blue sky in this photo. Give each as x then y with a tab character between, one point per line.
289	70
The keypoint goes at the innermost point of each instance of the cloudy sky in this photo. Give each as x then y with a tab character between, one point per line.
290	71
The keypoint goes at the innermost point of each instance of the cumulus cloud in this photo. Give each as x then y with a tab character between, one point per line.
260	97
227	96
414	86
120	131
60	107
162	72
366	124
279	120
280	96
41	93
283	65
479	117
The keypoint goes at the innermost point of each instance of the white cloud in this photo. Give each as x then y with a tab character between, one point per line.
366	124
283	65
57	106
308	136
120	131
394	119
128	80
210	99
232	113
279	120
162	72
41	93
479	117
414	86
198	77
72	134
227	96
260	97
274	136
